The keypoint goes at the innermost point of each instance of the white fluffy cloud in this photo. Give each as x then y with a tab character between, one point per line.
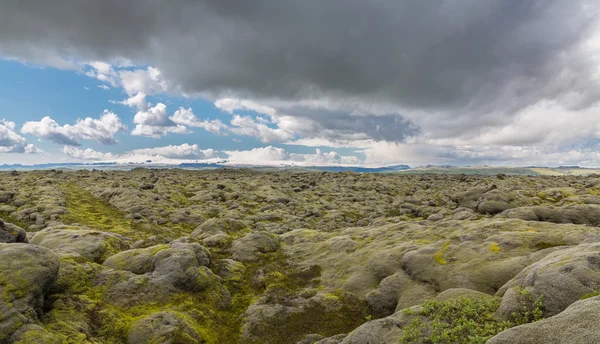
137	101
104	72
268	155
321	158
11	142
184	151
232	104
186	117
102	130
247	126
155	122
86	154
257	155
148	81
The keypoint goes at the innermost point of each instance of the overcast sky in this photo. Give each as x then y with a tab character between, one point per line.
317	82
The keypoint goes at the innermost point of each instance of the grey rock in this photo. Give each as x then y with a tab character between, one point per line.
251	247
93	245
578	324
26	274
10	233
163	327
560	278
219	226
470	198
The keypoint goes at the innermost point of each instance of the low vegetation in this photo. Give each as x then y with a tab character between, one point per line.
241	256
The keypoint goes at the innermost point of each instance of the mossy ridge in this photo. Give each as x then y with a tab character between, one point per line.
280	280
350	313
5	216
78	301
108	323
86	209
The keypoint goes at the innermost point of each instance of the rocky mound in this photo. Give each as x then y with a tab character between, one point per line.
240	256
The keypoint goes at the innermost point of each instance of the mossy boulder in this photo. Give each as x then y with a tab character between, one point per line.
469	264
397	291
471	197
456	293
138	261
559	279
386	330
216	226
180	269
252	246
26	274
280	320
318	339
576	324
34	334
587	214
10	233
6	196
141	261
93	245
155	274
164	328
494	202
202	253
230	270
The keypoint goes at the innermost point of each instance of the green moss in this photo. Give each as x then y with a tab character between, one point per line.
439	256
15	286
494	247
75	275
86	209
9	218
540	245
341	313
592	294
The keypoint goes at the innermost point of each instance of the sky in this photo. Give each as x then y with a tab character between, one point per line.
337	82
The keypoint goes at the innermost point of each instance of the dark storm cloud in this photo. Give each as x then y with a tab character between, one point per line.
340	125
464	56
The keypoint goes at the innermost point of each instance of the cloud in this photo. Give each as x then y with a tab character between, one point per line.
138	101
322	158
184	151
11	142
102	130
424	79
232	104
147	81
430	55
155	122
104	72
248	126
270	154
186	117
85	154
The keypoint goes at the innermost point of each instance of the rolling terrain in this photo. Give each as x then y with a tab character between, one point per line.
244	256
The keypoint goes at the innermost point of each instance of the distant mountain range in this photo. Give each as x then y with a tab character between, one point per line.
290	166
199	165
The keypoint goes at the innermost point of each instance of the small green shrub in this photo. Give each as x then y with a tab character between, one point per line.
462	320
